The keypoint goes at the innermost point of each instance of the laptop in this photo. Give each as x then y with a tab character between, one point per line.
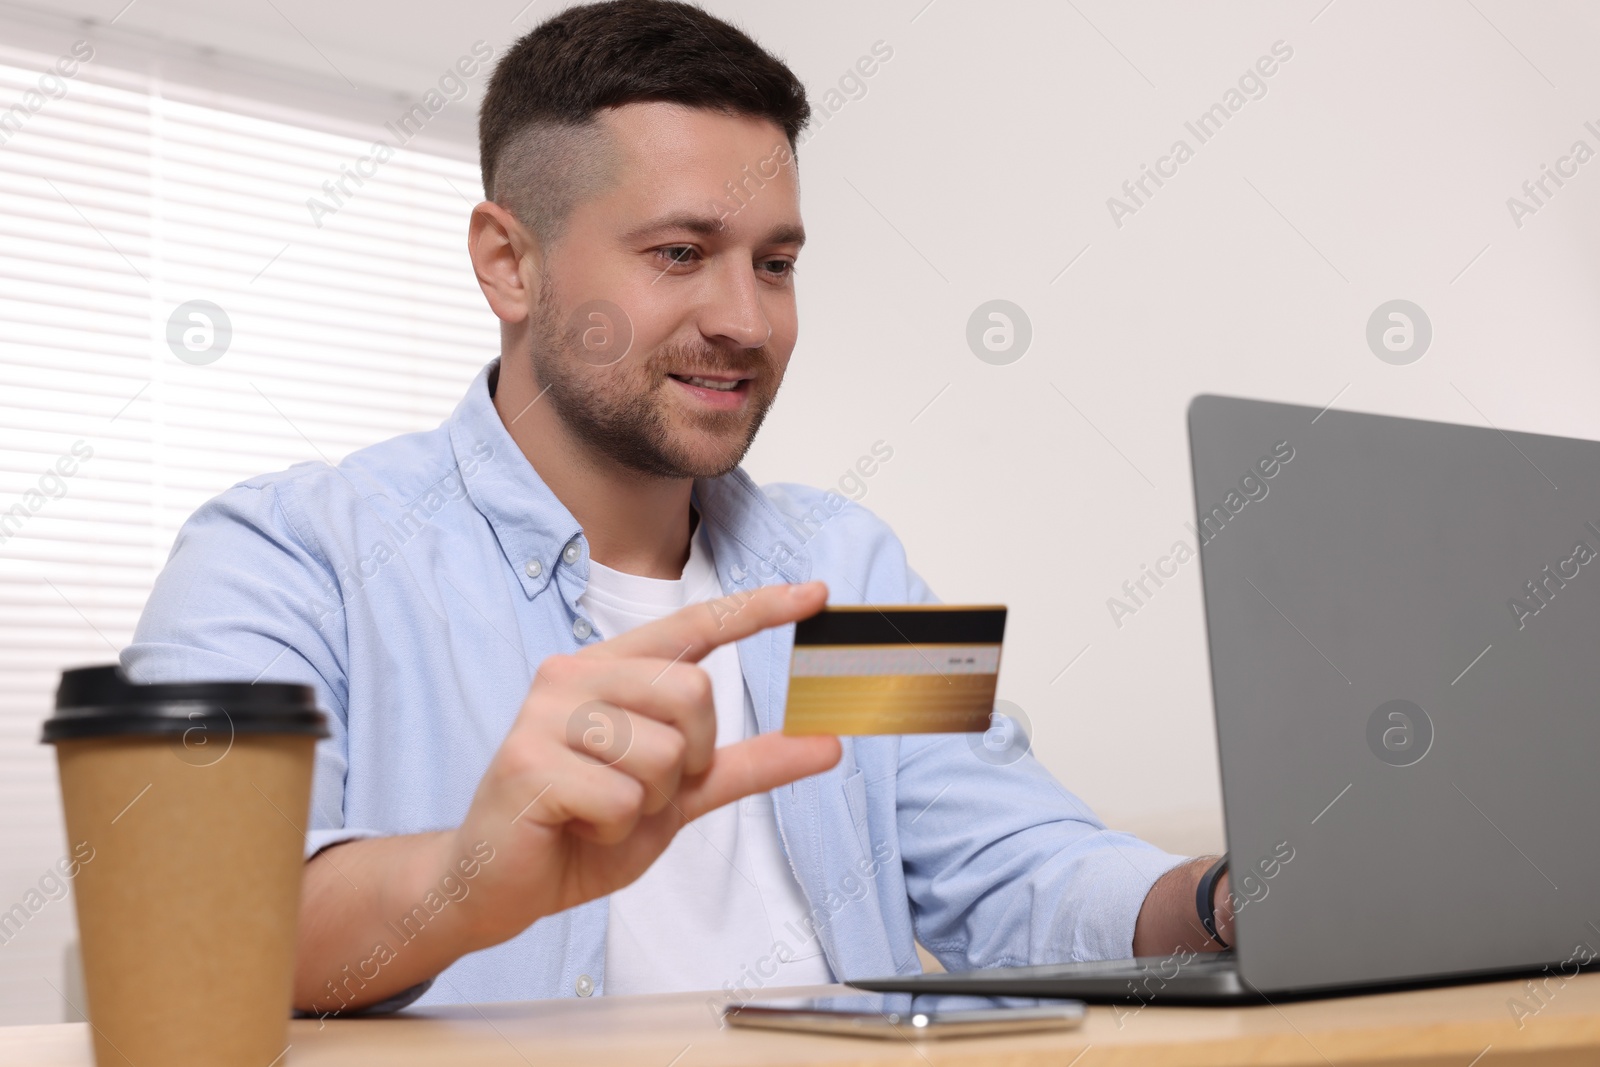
1403	621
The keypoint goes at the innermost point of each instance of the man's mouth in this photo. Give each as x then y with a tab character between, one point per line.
720	384
716	392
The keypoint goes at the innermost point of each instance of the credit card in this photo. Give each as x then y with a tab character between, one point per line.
897	669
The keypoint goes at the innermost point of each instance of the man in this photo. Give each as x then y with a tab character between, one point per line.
555	630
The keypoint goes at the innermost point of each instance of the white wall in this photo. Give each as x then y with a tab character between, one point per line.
1377	166
978	166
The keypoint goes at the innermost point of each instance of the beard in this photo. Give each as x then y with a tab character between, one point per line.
621	412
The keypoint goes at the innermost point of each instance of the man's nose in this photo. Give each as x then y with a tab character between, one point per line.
734	309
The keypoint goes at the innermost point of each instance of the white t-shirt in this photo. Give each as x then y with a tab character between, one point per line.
720	908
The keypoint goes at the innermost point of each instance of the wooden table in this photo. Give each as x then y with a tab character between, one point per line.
1461	1026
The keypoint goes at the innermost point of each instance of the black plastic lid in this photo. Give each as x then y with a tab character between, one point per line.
102	702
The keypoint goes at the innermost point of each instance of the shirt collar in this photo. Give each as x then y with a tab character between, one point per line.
533	526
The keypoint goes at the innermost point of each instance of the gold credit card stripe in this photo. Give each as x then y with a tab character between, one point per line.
873	704
804	704
866	660
874	686
887	722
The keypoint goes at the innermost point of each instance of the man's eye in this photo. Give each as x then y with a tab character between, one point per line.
676	254
784	267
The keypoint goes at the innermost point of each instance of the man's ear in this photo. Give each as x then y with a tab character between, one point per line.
500	246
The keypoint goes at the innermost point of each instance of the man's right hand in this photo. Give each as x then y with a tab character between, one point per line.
613	752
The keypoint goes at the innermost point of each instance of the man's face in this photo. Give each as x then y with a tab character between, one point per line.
695	246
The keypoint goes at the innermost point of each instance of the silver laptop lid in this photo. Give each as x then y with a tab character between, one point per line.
1404	627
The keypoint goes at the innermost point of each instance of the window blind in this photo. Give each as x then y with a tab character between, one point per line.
121	203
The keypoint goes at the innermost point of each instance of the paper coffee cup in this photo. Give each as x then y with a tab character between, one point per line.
193	800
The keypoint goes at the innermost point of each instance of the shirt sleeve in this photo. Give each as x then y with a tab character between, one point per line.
244	597
1003	865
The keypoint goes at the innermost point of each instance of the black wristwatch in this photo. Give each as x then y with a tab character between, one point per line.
1205	899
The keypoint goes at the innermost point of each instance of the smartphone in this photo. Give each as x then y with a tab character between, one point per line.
906	1015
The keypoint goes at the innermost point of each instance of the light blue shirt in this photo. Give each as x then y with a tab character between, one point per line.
417	584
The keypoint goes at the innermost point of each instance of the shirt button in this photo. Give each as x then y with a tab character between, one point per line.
584	986
572	552
581	628
534	568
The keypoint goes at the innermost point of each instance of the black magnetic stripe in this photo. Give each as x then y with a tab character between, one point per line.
977	626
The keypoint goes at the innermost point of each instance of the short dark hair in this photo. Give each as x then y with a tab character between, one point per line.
538	119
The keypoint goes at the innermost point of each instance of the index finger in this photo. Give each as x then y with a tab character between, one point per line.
691	633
